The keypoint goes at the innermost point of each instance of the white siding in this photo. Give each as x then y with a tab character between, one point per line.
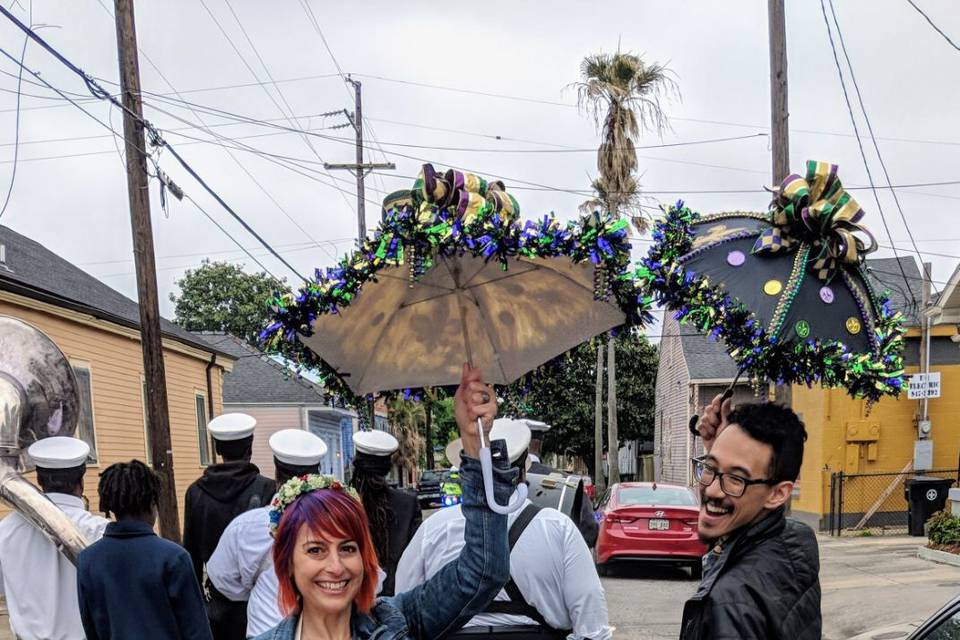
671	449
270	419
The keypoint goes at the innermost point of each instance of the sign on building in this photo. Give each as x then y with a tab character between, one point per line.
923	385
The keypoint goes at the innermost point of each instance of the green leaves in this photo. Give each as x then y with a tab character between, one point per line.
220	296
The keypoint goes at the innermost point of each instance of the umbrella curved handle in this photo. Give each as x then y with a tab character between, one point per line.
516	500
695	419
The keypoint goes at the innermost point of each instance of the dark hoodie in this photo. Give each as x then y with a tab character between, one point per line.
223	492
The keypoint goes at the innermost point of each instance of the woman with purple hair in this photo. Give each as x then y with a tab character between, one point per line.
327	567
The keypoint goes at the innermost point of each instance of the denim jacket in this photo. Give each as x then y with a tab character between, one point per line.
461	589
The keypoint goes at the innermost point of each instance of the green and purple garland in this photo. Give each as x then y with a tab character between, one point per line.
415	231
762	356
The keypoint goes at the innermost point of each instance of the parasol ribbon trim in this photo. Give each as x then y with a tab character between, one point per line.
789	292
815	209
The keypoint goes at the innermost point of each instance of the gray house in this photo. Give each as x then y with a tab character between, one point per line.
265	389
693	369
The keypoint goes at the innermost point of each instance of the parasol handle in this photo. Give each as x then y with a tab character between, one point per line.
486	466
727	394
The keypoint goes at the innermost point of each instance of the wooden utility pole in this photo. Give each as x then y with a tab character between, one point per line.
598	479
613	438
360	168
779	121
779	113
158	419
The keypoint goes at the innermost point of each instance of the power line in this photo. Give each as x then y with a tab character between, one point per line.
99	92
863	154
876	147
175	130
16	126
290	118
252	178
935	27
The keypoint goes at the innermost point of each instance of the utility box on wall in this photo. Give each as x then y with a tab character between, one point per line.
862	441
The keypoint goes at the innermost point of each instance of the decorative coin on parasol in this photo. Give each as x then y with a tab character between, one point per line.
787	290
451	276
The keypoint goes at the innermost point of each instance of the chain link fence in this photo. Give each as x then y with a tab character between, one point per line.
872	504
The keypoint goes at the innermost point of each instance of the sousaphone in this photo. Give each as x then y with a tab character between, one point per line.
38	399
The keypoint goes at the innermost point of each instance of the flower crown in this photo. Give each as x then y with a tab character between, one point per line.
293	488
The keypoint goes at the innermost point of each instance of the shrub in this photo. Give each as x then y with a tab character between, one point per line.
944	529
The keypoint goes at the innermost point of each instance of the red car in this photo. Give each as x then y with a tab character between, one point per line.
646	521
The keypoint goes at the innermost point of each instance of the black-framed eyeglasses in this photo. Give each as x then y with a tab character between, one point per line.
730	483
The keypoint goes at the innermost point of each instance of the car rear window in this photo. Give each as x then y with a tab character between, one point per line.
661	496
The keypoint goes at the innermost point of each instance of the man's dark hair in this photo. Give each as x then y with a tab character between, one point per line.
128	488
61	480
779	427
234	450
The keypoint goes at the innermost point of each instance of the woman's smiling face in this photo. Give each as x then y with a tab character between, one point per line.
328	571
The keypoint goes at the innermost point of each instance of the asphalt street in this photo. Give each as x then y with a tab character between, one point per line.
867	583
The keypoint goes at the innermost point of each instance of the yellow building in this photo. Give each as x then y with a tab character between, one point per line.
97	328
877	447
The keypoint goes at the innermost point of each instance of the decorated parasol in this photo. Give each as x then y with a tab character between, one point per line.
785	290
452	275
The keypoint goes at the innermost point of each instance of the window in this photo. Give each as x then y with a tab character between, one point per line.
146	424
947	630
661	496
206	446
85	428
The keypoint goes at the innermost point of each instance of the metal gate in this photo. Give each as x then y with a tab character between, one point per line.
872	503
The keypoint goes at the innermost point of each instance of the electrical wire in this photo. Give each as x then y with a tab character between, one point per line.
98	91
863	154
876	147
933	24
236	160
276	87
16	126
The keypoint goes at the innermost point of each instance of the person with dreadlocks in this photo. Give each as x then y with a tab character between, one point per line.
394	514
132	583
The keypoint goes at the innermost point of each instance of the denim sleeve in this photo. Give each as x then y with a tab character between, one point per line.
465	586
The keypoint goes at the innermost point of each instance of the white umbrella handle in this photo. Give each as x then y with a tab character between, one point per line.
486	466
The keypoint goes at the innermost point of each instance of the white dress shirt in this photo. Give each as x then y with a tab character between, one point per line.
551	565
241	568
39	583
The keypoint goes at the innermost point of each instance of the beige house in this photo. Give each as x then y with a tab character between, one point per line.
97	328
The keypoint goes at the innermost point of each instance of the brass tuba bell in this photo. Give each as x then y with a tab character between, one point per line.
38	399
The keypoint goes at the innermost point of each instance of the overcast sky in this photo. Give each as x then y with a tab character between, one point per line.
530	51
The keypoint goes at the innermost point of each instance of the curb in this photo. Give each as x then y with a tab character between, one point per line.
941	557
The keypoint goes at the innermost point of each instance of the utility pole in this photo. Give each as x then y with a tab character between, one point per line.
779	113
158	419
779	121
613	438
360	168
598	479
925	339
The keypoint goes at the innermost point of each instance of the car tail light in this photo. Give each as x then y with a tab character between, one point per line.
613	517
690	522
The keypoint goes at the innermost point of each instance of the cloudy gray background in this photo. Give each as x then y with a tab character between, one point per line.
71	195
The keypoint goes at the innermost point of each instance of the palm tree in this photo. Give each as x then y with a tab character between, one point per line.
406	416
625	93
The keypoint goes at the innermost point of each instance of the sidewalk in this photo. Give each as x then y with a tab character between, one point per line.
869	583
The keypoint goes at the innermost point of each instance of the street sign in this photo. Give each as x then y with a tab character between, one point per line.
923	385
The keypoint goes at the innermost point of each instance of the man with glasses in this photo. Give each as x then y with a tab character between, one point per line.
760	579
